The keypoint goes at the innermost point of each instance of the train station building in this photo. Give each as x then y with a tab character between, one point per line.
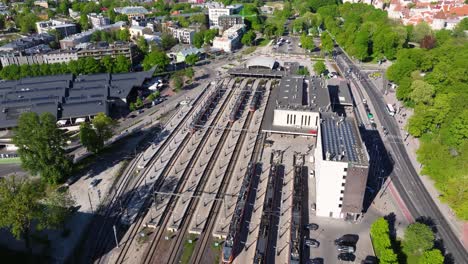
310	106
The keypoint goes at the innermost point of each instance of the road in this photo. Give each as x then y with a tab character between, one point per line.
404	176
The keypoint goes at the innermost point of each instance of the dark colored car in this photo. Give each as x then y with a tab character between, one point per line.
370	260
346	257
347	240
316	261
312	226
311	243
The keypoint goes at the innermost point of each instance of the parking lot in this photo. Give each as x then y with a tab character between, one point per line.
293	46
330	229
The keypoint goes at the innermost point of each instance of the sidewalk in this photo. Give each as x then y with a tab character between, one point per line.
412	145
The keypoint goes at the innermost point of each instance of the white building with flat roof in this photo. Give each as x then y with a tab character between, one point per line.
230	39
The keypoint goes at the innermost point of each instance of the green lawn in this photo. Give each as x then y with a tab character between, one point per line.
10	161
263	42
249	50
188	249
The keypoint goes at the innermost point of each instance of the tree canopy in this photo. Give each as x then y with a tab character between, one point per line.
319	67
380	234
156	58
24	201
433	256
191	59
249	38
93	137
41	147
418	238
80	66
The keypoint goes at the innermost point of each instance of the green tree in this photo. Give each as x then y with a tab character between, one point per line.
156	58
248	38
189	72
433	256
107	63
142	44
88	138
40	146
177	82
327	42
307	42
417	239
56	209
19	207
122	64
420	31
168	41
84	22
90	65
27	21
191	59
210	35
459	129
93	137
381	240
319	67
198	39
124	34
422	92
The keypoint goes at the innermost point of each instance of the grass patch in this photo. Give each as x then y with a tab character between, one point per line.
188	249
15	160
217	250
249	50
144	234
263	42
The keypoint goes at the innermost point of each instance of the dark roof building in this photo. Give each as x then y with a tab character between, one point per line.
65	96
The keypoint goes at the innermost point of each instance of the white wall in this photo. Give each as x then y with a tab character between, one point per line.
329	183
294	118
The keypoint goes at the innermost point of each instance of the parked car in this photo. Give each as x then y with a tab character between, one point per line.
94	183
346	257
346	249
311	226
347	240
370	260
316	261
311	243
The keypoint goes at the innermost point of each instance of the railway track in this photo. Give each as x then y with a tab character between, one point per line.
114	211
147	202
149	257
185	224
201	246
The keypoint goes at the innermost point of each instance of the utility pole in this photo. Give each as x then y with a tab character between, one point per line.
90	204
115	236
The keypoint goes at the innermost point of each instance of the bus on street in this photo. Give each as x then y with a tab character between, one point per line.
390	110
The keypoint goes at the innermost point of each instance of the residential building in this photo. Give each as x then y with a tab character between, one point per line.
70	99
27	42
98	20
230	39
183	35
138	31
182	54
28	56
64	28
225	22
42	3
71	41
101	49
132	11
83	50
438	14
215	13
